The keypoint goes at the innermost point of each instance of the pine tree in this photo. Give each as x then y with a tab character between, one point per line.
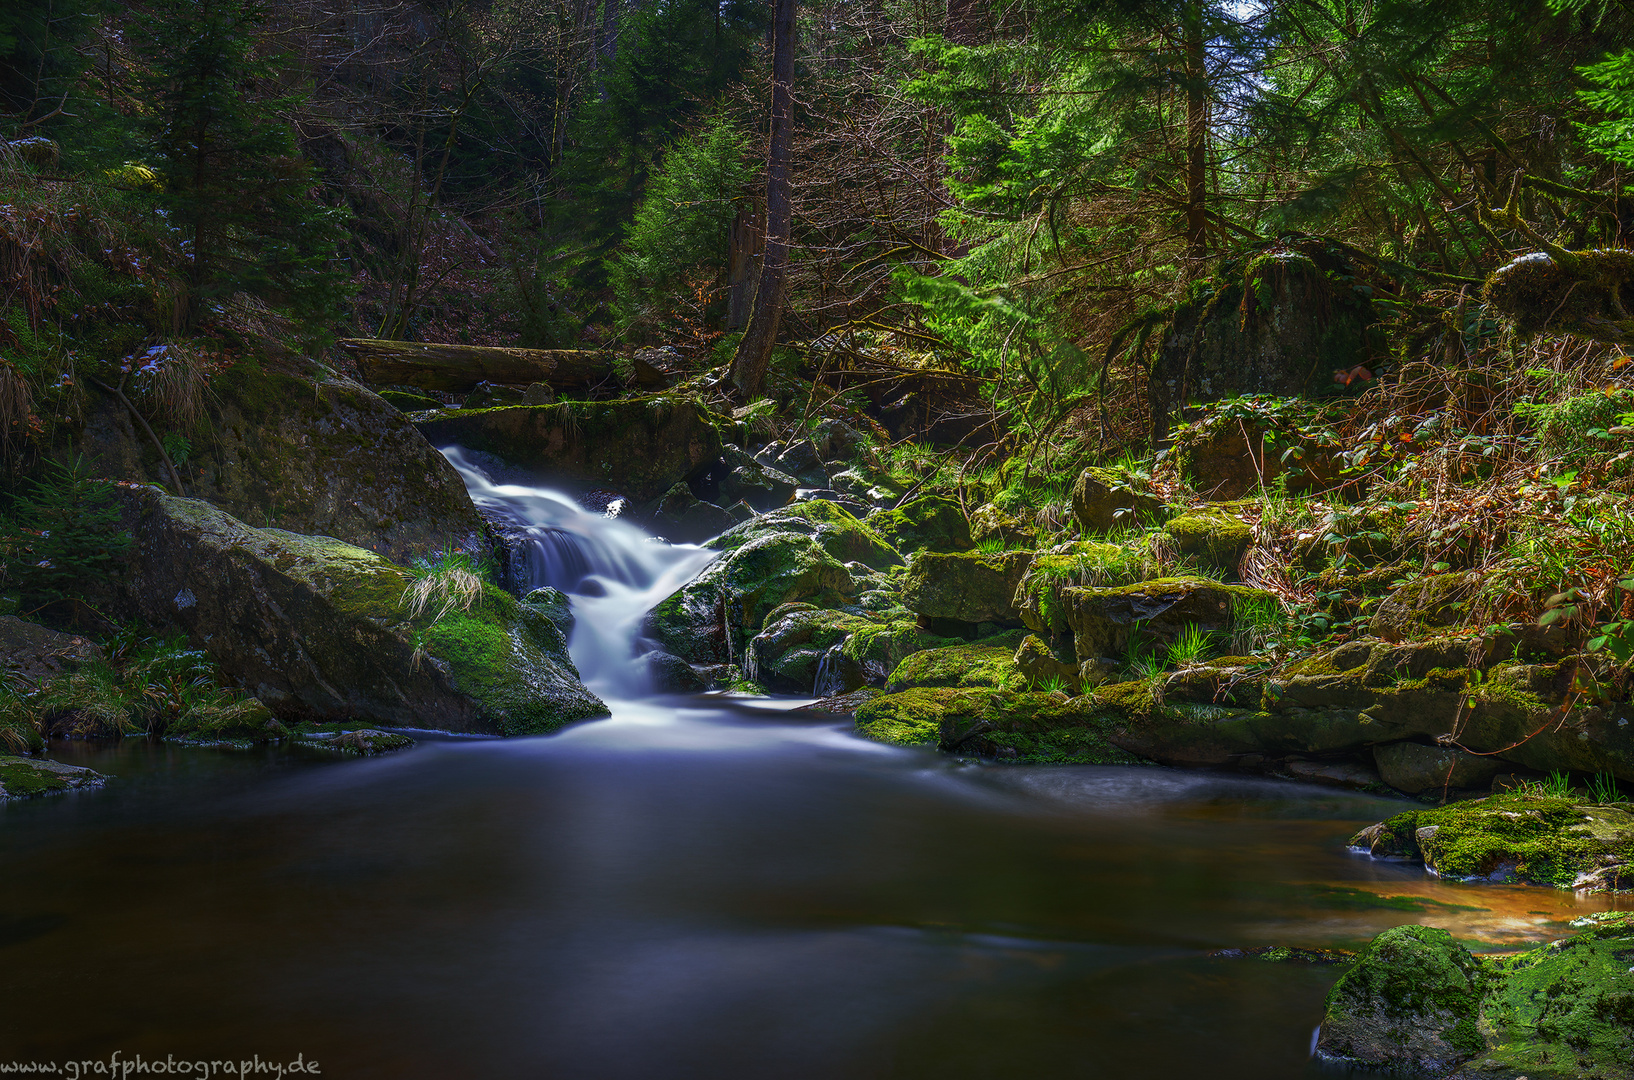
234	185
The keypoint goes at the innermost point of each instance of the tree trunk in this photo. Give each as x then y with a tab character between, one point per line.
1196	137
755	350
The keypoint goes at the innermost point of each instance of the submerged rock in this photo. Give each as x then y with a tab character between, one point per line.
27	778
322	630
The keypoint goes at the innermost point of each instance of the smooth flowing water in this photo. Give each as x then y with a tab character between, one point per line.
697	887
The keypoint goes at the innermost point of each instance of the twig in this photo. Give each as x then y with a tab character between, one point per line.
170	466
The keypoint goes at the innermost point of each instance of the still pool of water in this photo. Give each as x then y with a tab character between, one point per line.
695	888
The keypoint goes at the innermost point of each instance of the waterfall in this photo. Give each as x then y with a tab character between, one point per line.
613	571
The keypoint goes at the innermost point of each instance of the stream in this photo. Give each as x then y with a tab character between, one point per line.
700	886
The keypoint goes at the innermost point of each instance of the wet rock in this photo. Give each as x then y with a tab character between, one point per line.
1104	501
364	742
738	478
836	440
852	506
487	395
1040	665
1411	1002
968	587
554	605
1417	1002
644	446
1216	540
842	703
28	778
1345	774
1414	767
929	523
836	530
670	674
682	518
790	653
321	630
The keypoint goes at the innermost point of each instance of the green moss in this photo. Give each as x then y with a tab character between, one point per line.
1015	726
843	536
21	780
988	662
1535	839
929	523
1214	539
221	717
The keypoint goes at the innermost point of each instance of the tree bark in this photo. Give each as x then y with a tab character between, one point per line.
1196	136
755	349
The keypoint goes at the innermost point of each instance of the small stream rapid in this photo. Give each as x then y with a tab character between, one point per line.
697	887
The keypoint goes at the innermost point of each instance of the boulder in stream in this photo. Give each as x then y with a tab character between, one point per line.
322	630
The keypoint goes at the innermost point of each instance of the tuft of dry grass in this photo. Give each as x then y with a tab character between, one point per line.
454	582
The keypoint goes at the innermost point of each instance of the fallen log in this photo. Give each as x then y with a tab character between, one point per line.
457	369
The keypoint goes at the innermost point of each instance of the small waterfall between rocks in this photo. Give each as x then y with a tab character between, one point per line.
613	571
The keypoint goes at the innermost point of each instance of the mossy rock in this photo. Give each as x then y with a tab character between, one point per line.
968	587
1014	726
225	719
989	524
31	653
711	619
988	662
837	531
1410	1002
789	653
404	401
1539	840
1104	501
1412	767
1424	606
1107	620
1040	664
640	447
321	630
554	605
309	452
1216	540
1418	1003
928	523
880	649
1038	594
28	778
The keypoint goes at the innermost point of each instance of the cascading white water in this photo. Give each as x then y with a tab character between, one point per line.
613	571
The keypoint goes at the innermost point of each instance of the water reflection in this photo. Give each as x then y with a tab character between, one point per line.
695	887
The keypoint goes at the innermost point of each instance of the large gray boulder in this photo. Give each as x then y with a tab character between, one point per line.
314	453
319	629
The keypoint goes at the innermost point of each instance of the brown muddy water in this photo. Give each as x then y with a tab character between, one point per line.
695	888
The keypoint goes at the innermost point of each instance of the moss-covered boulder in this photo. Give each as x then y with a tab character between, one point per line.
640	447
989	524
836	530
790	653
878	650
928	523
712	618
1215	539
969	587
1041	664
1410	1002
1537	839
1104	501
1417	1003
682	518
1105	621
1038	594
306	451
28	778
992	722
321	630
988	662
1423	606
